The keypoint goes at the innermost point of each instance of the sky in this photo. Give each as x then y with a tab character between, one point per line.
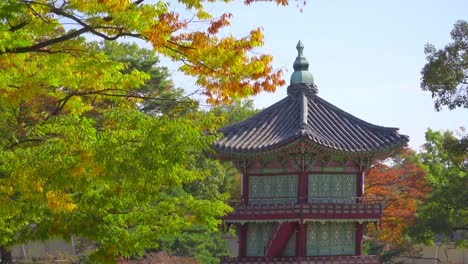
366	56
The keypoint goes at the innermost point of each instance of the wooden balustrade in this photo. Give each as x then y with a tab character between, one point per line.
322	208
304	260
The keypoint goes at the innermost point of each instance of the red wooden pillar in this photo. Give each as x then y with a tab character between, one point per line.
301	240
358	240
243	241
303	186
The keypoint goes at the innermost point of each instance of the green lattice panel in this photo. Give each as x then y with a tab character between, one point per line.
258	235
331	238
337	186
273	189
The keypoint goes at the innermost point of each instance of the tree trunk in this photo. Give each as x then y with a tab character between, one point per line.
5	255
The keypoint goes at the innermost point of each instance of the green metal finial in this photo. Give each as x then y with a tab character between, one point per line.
300	49
301	72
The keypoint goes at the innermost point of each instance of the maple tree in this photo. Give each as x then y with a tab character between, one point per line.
222	65
401	184
78	156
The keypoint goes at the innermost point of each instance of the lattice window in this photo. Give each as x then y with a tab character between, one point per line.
330	239
272	189
335	186
258	235
312	239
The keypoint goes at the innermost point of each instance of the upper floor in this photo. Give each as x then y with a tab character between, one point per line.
301	186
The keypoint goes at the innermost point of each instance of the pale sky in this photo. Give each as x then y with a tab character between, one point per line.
365	56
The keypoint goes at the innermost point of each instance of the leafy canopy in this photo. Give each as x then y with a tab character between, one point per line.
402	186
445	74
80	155
222	65
445	212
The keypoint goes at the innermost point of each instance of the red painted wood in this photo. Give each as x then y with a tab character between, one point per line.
358	241
303	208
372	259
334	163
301	240
303	185
360	210
254	166
274	165
273	174
243	241
280	239
298	173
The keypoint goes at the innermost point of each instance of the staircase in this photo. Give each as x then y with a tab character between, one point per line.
279	239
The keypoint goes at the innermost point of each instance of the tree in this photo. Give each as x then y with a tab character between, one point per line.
236	112
77	156
445	155
445	74
446	211
221	181
401	185
197	241
222	66
158	93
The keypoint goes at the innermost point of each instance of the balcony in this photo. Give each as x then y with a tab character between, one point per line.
314	208
304	260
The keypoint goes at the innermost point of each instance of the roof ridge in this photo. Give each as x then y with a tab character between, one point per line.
304	111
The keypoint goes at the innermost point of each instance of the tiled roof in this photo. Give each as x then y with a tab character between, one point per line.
305	117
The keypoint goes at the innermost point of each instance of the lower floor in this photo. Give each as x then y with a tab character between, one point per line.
295	239
304	260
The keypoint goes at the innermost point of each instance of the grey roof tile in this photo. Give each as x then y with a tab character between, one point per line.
316	122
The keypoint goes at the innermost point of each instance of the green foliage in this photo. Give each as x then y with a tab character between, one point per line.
125	177
158	93
445	212
445	74
223	66
220	181
89	145
80	158
205	245
236	112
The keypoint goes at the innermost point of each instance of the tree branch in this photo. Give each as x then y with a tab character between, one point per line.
37	47
24	141
62	102
72	34
18	27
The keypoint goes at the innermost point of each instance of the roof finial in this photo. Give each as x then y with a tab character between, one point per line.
301	72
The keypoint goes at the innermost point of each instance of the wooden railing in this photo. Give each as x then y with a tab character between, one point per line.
304	260
315	208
